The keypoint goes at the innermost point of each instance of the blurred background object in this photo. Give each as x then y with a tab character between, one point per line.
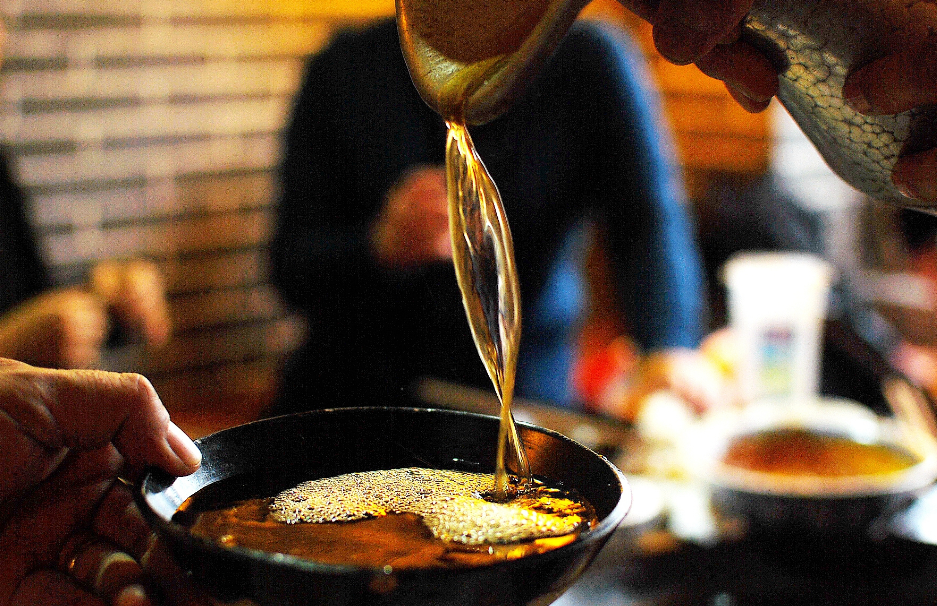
777	310
152	129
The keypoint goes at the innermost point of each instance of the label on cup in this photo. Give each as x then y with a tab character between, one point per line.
777	361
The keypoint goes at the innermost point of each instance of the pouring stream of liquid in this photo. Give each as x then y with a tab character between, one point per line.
483	255
472	57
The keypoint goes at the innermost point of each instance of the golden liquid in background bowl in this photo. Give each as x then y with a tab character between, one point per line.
808	453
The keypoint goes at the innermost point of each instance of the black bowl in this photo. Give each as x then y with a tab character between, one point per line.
828	508
267	456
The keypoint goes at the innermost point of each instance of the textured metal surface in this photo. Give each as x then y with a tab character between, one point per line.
815	44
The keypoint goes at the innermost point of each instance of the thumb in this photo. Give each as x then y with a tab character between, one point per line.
87	409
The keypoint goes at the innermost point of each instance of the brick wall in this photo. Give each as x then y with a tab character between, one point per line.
151	128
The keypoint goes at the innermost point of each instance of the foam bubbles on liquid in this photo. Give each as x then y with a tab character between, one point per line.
451	504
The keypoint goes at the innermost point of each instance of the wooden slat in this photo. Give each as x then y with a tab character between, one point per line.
223	307
221	270
225	192
227	10
108	141
209	78
713	115
718	153
215	233
212	347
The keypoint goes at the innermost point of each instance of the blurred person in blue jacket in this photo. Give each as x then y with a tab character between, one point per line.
362	249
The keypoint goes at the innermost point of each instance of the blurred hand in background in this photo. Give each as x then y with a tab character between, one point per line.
68	327
413	227
623	380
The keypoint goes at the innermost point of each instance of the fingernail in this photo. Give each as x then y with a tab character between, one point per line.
904	186
183	446
677	42
748	102
856	99
133	595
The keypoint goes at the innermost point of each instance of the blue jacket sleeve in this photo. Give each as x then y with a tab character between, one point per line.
649	231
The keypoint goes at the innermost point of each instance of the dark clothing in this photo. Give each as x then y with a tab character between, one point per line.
751	216
22	272
919	229
583	144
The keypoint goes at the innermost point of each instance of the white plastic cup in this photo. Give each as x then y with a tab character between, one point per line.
777	303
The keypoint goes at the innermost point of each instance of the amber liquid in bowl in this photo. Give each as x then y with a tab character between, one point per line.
803	453
399	540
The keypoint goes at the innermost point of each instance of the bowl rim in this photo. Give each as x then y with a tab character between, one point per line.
180	533
713	432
